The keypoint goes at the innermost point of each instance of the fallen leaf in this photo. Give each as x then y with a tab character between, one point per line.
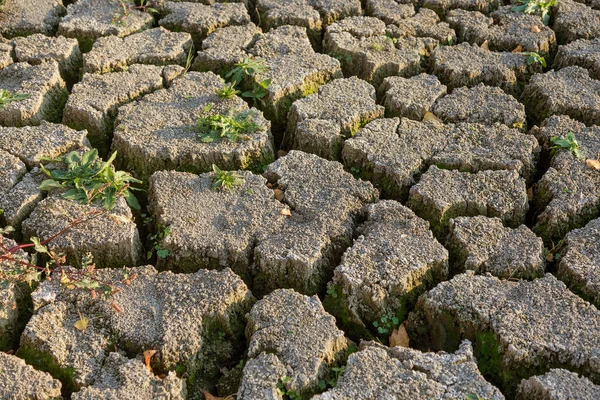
518	49
116	307
530	194
485	45
82	323
93	293
162	376
147	356
208	396
429	116
281	153
286	212
595	164
278	194
535	29
399	336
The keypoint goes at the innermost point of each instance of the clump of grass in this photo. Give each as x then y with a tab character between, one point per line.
233	126
87	179
227	91
544	7
7	97
225	180
533	58
568	142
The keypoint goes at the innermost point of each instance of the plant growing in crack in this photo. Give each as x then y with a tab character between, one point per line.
534	58
225	180
569	142
232	126
8	97
332	378
156	239
86	179
282	389
147	6
228	91
544	7
386	324
250	67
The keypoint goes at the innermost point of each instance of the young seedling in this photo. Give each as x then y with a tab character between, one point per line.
147	6
386	324
533	6
233	126
533	58
227	91
86	179
249	67
259	90
6	97
287	394
225	180
568	142
332	378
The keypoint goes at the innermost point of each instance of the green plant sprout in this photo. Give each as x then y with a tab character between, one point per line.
332	378
386	324
258	91
533	6
249	67
287	393
234	125
6	97
87	179
225	180
161	233
568	142
533	58
227	91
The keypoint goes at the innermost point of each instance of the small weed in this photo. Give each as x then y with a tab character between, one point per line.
376	46
232	126
147	6
342	59
471	396
6	97
225	180
249	66
391	38
355	172
569	143
189	59
332	378
533	6
227	91
286	393
87	179
533	58
161	233
332	292
258	91
386	324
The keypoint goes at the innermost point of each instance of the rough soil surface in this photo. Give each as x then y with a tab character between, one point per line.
313	199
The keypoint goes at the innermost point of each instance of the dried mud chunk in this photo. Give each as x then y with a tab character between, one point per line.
227	223
569	91
393	153
469	65
442	7
325	203
365	51
410	97
94	101
481	104
347	103
583	53
36	49
484	245
574	20
131	379
22	382
45	92
579	265
393	261
389	11
158	132
515	327
505	30
377	372
441	195
88	20
300	334
6	51
201	20
557	384
26	17
111	237
425	23
12	170
194	321
155	46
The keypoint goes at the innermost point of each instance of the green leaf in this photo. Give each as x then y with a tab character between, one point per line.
40	248
50	184
131	200
162	253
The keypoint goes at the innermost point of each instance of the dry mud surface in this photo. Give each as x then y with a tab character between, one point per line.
404	222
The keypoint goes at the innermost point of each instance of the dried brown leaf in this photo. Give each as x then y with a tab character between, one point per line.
429	116
485	45
535	29
518	49
595	164
530	194
147	357
116	307
208	396
82	323
286	212
278	194
399	336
